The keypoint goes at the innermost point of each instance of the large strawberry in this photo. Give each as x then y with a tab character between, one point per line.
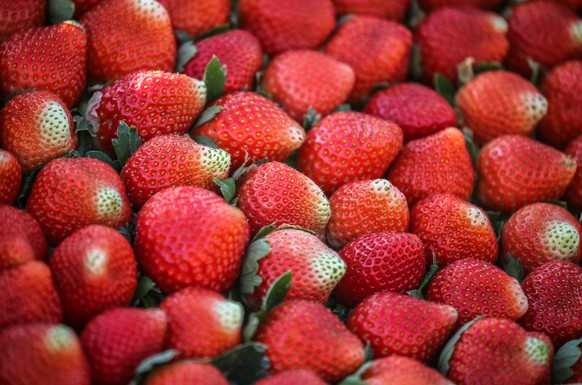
195	17
391	10
431	5
574	192
186	372
11	176
293	377
21	238
17	15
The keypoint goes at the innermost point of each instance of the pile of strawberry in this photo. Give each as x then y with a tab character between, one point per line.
290	192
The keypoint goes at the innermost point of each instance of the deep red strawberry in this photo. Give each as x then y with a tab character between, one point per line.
391	10
431	5
293	377
574	192
187	372
17	15
398	370
11	176
82	6
195	17
21	238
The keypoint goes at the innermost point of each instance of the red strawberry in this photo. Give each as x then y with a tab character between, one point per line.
453	229
42	354
514	171
187	372
82	6
210	259
293	377
574	5
391	10
398	370
347	147
29	295
239	51
545	32
17	15
11	176
21	238
69	194
125	36
274	193
385	58
380	262
563	90
117	340
500	103
574	192
196	17
304	79
307	335
450	35
37	127
46	58
94	269
250	123
282	26
202	323
477	288
431	5
417	110
397	324
439	163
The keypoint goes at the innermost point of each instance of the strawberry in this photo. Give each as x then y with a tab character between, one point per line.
155	102
499	103
11	176
21	238
250	124
386	56
46	58
574	5
69	194
17	15
283	26
293	377
304	79
195	17
540	233
439	163
545	32
37	127
125	36
210	259
379	262
316	269
431	5
274	193
239	51
574	192
555	303
514	171
391	10
453	229
347	147
477	288
94	269
42	354
307	335
417	110
450	35
563	90
187	372
82	6
29	295
117	340
395	324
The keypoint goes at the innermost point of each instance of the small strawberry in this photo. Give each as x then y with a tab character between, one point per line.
391	10
439	163
71	193
11	177
21	238
417	110
304	79
431	5
37	127
187	372
17	15
379	262
347	147
514	171
574	192
396	324
195	17
293	377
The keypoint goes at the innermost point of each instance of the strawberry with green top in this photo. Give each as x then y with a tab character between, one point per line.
186	372
21	238
194	17
11	176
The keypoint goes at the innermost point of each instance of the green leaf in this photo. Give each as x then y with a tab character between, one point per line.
514	268
214	78
206	141
186	52
472	147
26	186
535	71
144	286
183	36
215	31
277	292
126	143
568	355
449	348
445	88
419	293
245	364
83	125
104	158
251	326
154	361
227	188
60	10
368	353
243	169
486	66
265	230
356	378
207	115
343	108
248	279
310	119
264	93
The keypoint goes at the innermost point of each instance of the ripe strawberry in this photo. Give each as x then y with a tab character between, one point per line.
307	335
293	377
46	58
439	163
452	229
563	90
316	269
117	340
574	192
210	259
515	171
417	110
239	51
304	79
431	5
82	6
251	124
196	17
391	10
37	127
398	370
545	32
42	354
17	15
283	26
21	238
29	295
385	58
450	35
555	303
202	323
347	147
499	103
379	262
574	5
125	36
69	194
397	324
187	372
11	176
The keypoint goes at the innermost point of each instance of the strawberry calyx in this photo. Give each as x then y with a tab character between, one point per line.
565	358
60	10
214	79
514	268
126	143
186	52
419	292
449	348
445	88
